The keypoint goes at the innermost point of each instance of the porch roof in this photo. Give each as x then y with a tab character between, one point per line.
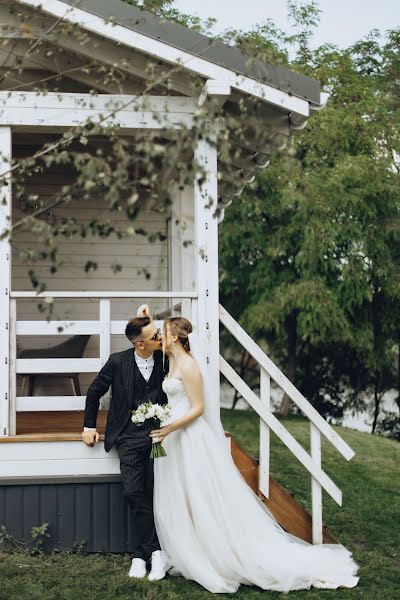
278	101
195	43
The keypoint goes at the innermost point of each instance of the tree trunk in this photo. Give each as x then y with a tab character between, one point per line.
292	361
377	401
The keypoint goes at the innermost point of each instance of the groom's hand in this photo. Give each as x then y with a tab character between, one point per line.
144	311
90	437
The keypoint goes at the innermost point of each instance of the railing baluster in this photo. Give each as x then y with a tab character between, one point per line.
265	396
105	342
316	490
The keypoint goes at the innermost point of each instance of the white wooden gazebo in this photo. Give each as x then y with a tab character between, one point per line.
96	304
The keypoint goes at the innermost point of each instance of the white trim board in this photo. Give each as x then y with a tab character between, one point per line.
49	403
38	459
57	365
23	109
58	328
81	101
168	53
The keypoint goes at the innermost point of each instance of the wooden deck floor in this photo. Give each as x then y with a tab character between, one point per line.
52	426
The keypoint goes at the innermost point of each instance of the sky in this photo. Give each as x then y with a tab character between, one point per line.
342	21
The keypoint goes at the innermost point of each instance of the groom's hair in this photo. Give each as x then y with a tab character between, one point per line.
133	329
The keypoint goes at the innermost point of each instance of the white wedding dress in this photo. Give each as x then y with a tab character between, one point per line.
216	531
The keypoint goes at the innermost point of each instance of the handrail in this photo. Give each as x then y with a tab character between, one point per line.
276	374
110	295
280	431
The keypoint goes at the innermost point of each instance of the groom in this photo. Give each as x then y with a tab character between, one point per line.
135	376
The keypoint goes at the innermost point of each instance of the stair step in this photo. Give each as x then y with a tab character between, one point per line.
286	510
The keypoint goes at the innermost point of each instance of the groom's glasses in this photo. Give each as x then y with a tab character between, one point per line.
155	337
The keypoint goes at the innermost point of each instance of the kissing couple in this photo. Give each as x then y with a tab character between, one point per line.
194	514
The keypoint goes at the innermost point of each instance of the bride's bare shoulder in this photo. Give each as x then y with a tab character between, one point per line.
190	367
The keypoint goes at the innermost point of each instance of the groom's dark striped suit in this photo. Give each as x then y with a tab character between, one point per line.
129	389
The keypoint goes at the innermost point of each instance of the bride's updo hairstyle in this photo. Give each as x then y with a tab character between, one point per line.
180	327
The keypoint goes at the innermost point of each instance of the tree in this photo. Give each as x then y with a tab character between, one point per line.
314	269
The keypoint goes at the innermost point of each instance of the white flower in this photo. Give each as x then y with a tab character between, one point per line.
163	412
147	410
140	418
151	412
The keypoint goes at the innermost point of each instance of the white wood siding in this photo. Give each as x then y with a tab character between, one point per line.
138	257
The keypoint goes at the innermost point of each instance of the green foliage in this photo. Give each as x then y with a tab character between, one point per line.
35	546
310	252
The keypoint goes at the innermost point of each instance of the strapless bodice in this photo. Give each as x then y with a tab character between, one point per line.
177	397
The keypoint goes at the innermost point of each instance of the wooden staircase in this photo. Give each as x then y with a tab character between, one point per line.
287	511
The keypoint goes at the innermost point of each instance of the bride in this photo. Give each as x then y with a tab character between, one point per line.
210	524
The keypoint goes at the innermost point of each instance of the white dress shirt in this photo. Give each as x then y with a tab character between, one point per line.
145	366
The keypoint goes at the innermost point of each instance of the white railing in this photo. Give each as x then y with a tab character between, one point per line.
104	327
261	404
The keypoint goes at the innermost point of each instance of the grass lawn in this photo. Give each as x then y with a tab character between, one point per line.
368	524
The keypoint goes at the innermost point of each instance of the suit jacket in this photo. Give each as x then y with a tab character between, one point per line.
122	374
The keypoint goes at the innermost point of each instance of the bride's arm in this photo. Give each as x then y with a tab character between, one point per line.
194	388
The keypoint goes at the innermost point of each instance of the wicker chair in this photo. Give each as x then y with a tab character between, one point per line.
74	347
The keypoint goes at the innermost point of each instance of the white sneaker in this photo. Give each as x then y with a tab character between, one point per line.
138	568
159	566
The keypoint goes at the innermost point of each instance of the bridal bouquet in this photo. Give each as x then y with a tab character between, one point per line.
157	414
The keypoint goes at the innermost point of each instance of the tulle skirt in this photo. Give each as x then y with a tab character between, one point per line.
216	531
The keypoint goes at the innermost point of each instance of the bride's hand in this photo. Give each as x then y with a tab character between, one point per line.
160	434
143	310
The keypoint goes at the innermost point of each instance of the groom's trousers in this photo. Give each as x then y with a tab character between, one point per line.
134	447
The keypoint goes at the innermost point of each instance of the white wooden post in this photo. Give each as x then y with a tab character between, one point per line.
181	247
206	257
174	248
265	396
5	281
316	490
105	342
187	236
13	367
